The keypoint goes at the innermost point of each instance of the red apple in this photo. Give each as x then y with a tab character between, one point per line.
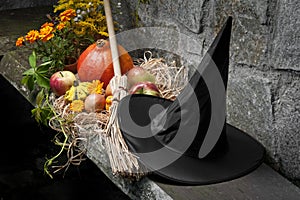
94	102
138	74
61	81
145	87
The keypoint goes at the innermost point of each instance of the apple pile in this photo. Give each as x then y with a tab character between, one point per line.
65	83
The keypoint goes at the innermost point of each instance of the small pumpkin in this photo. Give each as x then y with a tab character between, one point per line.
95	62
78	91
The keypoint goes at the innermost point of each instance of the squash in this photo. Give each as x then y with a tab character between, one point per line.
95	62
78	91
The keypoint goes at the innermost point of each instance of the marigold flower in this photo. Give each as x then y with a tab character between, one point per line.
46	33
77	105
67	15
60	26
95	87
32	36
20	41
47	24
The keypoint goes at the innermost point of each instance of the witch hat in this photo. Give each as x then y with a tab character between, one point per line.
188	141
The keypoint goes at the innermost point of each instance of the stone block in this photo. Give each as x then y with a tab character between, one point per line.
191	17
286	41
250	33
266	106
287	112
187	13
265	33
249	106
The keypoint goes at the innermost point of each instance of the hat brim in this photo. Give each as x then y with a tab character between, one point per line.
243	155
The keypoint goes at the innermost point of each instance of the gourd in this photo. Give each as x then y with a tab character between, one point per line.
78	91
95	62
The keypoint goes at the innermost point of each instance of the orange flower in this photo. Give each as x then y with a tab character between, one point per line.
77	105
46	33
95	87
20	41
67	15
32	36
47	24
60	26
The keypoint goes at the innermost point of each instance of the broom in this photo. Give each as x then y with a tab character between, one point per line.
122	161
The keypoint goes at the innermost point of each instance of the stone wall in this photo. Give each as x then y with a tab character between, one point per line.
264	80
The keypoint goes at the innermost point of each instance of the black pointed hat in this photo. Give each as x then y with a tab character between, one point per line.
188	141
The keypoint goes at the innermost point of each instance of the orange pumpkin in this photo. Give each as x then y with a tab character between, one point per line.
95	62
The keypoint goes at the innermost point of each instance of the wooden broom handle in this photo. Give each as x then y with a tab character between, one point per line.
112	38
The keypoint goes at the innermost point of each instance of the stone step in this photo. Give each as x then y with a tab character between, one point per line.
262	184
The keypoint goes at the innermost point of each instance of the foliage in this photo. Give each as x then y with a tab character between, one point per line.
36	78
90	19
37	75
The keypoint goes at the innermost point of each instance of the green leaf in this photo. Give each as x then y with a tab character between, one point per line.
46	63
28	81
42	81
42	114
32	59
40	97
35	112
46	114
29	72
24	80
42	69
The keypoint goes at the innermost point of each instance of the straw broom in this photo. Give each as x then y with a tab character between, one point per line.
122	161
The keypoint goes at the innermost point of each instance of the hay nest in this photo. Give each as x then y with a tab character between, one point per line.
77	127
